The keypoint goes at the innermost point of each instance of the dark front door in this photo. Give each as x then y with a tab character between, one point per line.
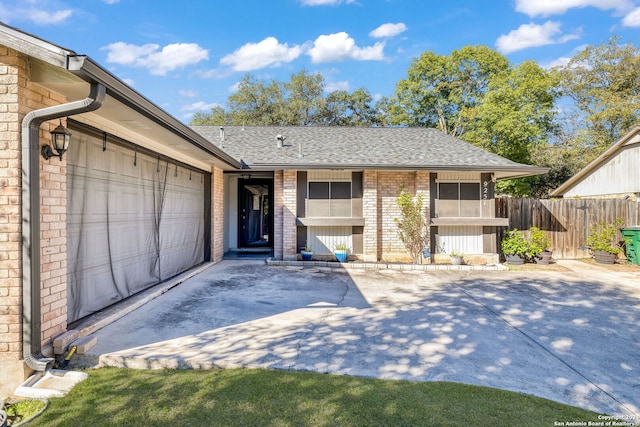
255	222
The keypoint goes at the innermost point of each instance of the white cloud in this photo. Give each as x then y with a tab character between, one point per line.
268	52
339	46
199	106
632	19
43	17
158	62
559	62
532	35
324	2
332	86
38	15
558	7
388	30
188	93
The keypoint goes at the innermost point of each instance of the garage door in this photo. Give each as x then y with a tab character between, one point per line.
134	219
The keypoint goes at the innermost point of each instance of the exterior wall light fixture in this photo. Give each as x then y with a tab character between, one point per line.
60	137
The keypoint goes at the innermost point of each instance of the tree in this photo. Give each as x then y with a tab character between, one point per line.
298	102
304	98
516	116
217	116
350	109
257	103
604	83
441	91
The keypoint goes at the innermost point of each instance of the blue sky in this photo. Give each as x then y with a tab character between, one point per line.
188	56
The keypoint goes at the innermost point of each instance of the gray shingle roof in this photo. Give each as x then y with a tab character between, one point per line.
356	147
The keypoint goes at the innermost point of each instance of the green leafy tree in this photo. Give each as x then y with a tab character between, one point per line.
304	98
604	84
217	116
350	109
257	102
441	91
515	118
299	102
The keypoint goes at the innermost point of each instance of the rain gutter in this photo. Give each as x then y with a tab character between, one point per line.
31	310
85	68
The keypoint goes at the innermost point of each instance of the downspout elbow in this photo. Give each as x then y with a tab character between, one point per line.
31	311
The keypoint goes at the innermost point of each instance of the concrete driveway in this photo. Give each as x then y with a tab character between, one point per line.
572	337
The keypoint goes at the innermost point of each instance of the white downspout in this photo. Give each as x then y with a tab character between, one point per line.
31	312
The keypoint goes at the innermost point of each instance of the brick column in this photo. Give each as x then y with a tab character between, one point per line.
370	214
423	186
18	96
217	214
389	184
289	209
278	204
11	368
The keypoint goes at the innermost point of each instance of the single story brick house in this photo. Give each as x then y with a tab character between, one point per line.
322	186
140	197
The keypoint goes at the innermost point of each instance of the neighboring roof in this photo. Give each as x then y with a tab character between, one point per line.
330	147
632	137
125	111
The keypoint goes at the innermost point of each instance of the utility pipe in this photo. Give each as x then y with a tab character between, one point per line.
31	304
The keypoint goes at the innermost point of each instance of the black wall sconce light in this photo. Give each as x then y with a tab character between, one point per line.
60	137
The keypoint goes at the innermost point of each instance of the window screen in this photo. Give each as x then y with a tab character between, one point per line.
329	198
318	190
458	199
340	190
469	191
448	191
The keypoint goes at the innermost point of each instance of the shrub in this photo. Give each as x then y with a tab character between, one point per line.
538	241
515	243
412	225
602	237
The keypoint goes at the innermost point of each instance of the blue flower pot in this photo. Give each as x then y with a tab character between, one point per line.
341	256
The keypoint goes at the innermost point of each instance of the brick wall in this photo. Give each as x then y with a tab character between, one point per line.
12	70
372	234
289	209
278	204
18	96
217	212
380	209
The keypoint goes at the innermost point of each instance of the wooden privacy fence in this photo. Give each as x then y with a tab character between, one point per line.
566	221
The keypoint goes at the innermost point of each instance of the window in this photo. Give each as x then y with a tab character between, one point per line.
458	199
327	199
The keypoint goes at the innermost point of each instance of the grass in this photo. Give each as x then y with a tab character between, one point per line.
251	397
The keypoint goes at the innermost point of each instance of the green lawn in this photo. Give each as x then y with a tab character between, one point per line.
249	397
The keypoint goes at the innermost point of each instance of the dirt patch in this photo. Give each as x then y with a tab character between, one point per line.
537	267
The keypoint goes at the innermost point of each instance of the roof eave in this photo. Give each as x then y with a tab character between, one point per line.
505	171
89	70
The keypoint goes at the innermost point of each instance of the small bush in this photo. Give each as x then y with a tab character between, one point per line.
602	237
515	243
538	241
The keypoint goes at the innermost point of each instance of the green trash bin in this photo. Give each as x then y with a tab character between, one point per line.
631	236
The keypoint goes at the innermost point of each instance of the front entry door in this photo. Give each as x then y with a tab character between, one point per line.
255	222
